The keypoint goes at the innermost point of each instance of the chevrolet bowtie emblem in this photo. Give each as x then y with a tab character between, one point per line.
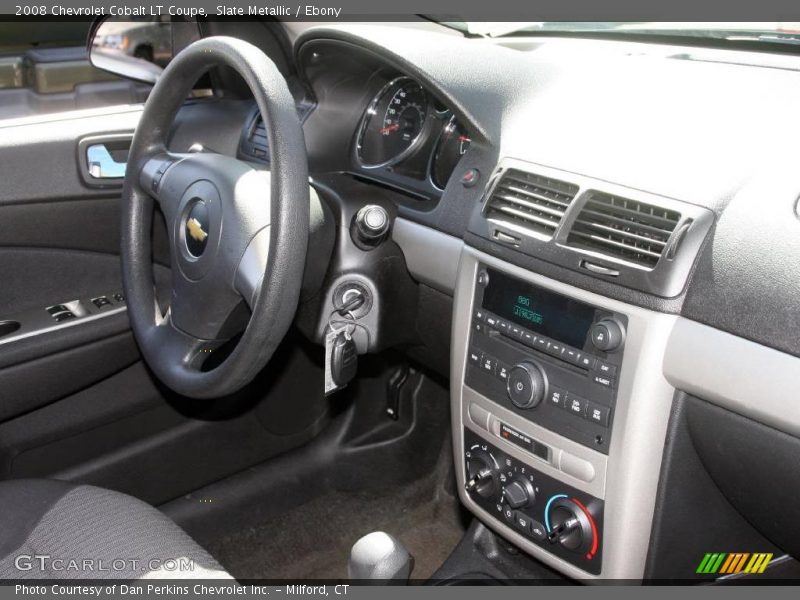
196	230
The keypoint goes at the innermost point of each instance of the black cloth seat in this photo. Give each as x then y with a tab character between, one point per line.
58	530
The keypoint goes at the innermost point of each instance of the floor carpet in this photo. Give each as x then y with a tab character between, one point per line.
313	541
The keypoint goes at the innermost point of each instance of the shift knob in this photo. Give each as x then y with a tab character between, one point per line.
379	555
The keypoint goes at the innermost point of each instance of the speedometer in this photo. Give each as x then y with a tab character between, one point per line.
392	124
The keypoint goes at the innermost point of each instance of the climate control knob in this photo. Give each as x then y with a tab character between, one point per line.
526	385
519	492
481	474
572	525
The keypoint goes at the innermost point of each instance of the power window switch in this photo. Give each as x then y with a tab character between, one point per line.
118	298
57	308
64	316
101	301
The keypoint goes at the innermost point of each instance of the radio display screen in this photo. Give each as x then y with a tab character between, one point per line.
537	309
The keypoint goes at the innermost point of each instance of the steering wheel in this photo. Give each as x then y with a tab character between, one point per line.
238	234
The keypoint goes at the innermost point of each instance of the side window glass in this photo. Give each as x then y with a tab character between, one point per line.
45	69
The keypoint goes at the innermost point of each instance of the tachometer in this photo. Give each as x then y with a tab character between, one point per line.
393	123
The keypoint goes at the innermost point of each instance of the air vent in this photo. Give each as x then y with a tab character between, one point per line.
625	229
258	137
529	204
254	143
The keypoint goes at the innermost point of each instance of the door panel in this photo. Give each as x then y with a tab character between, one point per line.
76	401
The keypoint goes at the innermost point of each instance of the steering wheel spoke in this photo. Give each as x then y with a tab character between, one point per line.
164	188
178	351
252	267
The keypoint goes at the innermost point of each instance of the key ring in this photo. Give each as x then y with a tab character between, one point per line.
352	322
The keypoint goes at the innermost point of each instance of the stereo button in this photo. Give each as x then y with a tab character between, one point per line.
557	397
541	344
488	364
528	339
502	371
602	380
585	361
605	368
597	414
474	357
577	406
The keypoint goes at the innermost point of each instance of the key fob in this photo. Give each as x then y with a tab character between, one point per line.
344	359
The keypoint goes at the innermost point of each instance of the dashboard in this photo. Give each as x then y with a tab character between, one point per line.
549	195
570	193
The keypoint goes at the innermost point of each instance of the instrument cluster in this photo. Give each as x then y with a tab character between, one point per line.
406	138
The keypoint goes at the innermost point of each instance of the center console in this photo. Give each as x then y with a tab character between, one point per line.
555	455
554	361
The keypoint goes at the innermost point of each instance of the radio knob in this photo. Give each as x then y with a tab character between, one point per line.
527	385
607	335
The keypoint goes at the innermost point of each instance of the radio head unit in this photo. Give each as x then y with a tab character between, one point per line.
548	357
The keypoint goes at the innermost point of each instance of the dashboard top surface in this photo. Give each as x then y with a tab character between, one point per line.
701	126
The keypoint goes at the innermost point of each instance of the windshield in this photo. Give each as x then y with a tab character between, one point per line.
761	31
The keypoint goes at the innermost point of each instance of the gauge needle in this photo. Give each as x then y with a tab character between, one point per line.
390	128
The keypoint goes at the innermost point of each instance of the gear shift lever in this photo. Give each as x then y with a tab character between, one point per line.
379	555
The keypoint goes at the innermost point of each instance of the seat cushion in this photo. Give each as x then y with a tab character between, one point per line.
58	530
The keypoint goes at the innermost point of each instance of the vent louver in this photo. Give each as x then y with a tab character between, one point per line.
529	204
254	140
625	229
258	137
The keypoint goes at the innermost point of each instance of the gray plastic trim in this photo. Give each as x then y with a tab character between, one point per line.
640	424
735	373
431	256
38	321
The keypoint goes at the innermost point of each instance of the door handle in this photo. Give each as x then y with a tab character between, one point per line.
102	165
102	159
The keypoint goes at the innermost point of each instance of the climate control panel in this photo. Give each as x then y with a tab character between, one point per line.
557	517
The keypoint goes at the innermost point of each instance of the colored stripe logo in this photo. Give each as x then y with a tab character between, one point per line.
723	563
